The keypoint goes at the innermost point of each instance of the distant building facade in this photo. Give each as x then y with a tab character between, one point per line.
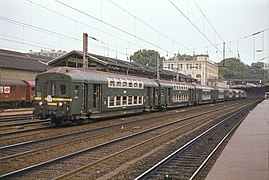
199	67
53	53
266	66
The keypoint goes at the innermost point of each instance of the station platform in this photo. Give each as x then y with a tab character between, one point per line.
246	156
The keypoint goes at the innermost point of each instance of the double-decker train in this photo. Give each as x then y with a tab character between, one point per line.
69	95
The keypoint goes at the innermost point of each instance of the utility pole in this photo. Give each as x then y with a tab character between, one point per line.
223	53
85	50
158	64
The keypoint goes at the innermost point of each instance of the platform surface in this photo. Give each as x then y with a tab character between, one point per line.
246	156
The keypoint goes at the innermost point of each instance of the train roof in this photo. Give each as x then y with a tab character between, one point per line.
86	75
11	82
198	86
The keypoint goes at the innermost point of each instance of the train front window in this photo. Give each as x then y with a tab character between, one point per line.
63	89
53	89
76	91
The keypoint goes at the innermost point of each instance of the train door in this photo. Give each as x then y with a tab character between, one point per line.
191	98
77	98
97	97
85	97
28	91
154	97
149	96
165	96
169	96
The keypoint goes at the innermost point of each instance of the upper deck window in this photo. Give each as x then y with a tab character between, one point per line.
125	83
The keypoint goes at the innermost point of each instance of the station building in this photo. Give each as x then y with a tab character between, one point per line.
199	67
21	66
102	63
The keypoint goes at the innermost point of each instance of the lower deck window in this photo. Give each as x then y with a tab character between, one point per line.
118	101
121	101
180	98
124	100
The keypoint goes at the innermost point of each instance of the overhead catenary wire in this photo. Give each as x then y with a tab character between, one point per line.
150	26
208	20
111	25
212	25
47	32
84	24
241	49
196	27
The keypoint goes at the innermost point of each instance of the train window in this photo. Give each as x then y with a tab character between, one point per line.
124	100
23	88
135	99
130	100
111	83
53	89
118	100
62	89
135	84
124	83
130	83
162	92
12	88
111	101
118	83
76	91
140	100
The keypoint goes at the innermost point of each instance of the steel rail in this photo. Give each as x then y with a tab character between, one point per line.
160	163
95	147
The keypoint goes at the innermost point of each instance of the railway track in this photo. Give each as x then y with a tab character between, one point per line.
12	124
16	117
190	159
70	137
22	136
27	127
102	152
28	122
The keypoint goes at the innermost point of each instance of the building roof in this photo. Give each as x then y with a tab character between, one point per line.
116	65
24	61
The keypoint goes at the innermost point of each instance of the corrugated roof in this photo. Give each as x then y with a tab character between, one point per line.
16	60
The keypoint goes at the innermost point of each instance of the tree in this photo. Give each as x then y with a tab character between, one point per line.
235	69
184	56
147	57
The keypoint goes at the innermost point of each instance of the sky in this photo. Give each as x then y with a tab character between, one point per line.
119	28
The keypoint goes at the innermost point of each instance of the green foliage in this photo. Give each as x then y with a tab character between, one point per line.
184	56
233	68
147	57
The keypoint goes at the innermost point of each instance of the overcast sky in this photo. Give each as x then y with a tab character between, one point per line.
125	26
